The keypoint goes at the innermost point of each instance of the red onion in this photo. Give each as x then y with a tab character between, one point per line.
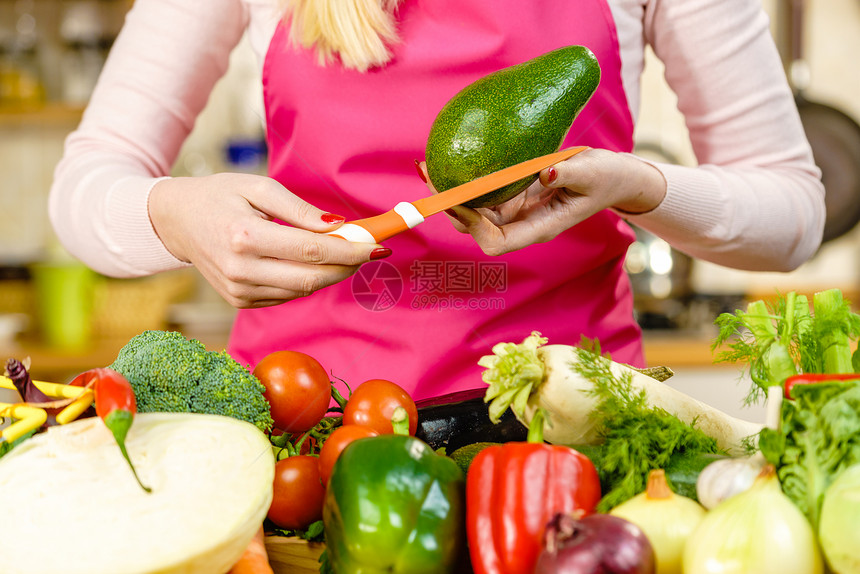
595	544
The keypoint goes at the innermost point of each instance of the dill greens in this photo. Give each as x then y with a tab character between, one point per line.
637	437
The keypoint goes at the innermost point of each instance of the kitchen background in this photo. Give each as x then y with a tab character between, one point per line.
67	319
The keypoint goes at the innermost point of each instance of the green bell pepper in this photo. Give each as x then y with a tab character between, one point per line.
394	505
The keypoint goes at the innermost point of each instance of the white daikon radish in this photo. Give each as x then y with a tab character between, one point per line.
71	505
531	376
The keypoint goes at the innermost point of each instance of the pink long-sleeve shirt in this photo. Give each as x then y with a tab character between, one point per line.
754	202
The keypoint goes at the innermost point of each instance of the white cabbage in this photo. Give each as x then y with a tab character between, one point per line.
71	504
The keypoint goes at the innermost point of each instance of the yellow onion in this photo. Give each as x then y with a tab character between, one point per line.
666	518
759	531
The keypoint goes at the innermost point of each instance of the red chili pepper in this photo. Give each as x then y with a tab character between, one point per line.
115	405
512	492
812	378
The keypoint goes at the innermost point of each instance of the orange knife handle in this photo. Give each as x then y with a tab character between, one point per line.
378	228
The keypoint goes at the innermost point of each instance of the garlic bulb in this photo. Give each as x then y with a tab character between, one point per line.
727	477
666	518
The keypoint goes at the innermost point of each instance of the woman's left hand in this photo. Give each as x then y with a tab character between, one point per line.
565	194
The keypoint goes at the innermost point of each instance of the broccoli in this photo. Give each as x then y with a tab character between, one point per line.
170	373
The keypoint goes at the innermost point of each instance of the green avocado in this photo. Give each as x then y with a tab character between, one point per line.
507	117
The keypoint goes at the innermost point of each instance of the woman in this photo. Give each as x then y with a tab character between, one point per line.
351	89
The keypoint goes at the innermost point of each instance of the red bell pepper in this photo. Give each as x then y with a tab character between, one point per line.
513	490
115	405
812	378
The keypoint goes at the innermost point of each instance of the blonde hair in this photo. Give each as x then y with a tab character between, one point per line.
358	32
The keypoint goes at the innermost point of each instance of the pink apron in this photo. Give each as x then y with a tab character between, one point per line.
346	142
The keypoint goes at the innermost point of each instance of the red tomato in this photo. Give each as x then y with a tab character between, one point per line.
336	442
297	388
298	493
373	402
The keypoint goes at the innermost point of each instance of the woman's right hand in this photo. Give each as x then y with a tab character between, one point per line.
223	225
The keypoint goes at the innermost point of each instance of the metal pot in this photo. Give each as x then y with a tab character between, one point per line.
660	277
833	135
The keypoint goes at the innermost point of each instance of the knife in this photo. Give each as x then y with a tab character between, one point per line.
406	215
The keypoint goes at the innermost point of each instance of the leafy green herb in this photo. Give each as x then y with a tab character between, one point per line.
325	563
785	338
818	438
637	437
314	532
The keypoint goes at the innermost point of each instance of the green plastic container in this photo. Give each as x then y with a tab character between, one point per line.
64	301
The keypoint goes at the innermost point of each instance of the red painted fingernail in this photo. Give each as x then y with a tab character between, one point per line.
332	218
452	213
379	253
551	174
420	171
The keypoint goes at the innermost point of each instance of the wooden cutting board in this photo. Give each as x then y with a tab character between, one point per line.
293	555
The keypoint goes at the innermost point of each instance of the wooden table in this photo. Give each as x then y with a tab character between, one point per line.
293	555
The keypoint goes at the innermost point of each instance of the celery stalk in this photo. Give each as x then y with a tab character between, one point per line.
808	343
833	338
758	321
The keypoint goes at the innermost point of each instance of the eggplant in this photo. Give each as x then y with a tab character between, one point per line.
462	418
